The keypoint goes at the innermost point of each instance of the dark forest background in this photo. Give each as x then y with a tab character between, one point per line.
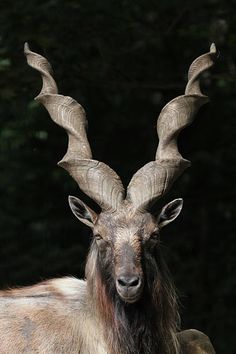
122	60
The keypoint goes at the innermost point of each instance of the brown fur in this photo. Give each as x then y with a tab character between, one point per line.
195	342
56	317
155	315
128	305
72	316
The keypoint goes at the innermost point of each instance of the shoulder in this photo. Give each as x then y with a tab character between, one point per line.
69	287
66	287
193	341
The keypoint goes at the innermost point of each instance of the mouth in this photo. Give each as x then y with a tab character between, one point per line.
130	295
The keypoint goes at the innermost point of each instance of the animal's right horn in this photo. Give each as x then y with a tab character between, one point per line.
95	178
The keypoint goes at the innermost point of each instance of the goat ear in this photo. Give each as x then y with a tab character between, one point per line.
170	212
82	211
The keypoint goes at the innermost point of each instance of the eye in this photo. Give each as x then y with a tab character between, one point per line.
98	237
154	236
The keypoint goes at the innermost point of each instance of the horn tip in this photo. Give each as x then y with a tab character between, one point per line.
213	48
214	52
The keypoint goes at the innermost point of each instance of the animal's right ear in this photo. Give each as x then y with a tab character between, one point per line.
82	211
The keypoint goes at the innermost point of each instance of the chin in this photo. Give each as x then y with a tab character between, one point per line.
130	299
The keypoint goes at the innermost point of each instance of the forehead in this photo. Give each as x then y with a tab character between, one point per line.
125	223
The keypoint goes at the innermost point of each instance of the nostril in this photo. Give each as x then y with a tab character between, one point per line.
125	281
134	281
122	282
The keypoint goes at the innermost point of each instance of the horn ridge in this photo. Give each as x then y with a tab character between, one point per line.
154	179
95	178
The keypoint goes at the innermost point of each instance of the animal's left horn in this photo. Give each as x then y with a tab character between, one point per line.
95	178
156	177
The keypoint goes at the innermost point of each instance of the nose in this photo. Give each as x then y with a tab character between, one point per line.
125	281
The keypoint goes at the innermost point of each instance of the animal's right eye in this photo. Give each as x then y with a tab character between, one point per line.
154	236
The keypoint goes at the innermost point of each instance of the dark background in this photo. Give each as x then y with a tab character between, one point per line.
122	60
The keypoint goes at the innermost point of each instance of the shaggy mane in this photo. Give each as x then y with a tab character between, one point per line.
146	327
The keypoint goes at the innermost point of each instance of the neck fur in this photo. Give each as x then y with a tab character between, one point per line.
146	327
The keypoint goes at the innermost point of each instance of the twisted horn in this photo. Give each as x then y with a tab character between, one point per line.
156	177
95	178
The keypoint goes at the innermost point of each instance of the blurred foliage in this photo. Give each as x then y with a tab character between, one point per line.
122	61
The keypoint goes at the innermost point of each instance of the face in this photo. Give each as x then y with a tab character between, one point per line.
122	239
125	239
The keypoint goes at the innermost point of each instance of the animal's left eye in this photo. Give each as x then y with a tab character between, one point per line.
98	237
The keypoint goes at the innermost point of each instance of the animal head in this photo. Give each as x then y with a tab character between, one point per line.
126	234
124	239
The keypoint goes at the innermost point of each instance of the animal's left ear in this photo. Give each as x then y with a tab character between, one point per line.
170	212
